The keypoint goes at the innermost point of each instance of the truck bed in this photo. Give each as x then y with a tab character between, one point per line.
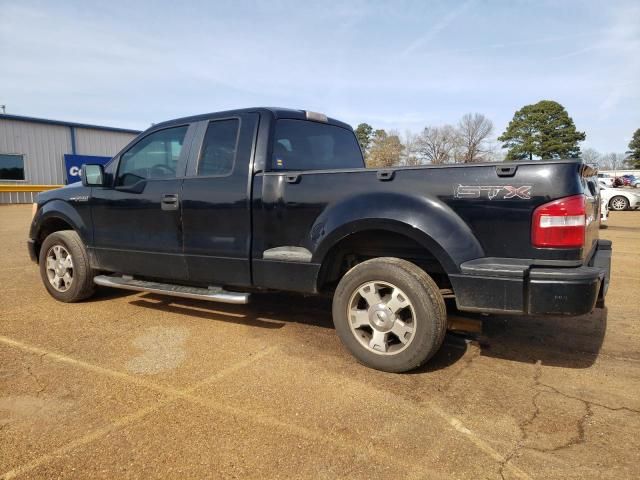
487	207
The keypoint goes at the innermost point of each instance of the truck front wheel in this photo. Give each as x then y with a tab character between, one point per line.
64	267
389	314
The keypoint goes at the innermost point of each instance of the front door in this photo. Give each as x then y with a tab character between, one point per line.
136	220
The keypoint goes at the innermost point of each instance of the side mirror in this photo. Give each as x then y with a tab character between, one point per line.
92	175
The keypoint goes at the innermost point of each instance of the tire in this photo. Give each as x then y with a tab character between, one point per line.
619	203
373	333
77	282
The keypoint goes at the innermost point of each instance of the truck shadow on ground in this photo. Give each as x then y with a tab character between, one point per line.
570	342
271	311
106	294
276	310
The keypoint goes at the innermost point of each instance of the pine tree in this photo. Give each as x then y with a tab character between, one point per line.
363	134
634	150
544	130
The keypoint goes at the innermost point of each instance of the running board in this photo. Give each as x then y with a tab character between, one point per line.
213	294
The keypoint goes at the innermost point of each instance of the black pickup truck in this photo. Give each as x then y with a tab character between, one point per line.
221	205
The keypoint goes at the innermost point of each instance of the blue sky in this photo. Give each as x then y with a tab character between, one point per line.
400	65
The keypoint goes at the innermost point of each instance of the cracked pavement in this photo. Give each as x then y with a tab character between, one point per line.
144	386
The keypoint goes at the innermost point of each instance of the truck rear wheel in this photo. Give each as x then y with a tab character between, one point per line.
389	314
64	267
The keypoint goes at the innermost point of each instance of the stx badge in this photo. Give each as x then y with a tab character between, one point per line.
504	192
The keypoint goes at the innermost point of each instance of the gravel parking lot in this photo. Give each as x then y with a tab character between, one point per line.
142	386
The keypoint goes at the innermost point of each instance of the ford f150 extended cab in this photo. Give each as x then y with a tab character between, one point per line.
221	205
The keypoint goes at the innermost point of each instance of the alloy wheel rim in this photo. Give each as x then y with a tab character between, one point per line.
618	204
381	317
59	267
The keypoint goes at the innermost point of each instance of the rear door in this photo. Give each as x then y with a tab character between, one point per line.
216	210
136	220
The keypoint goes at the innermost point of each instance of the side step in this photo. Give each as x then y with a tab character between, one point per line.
213	294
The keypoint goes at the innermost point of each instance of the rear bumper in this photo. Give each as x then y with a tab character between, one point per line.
507	285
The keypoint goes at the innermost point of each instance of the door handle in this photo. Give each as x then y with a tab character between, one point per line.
169	202
294	178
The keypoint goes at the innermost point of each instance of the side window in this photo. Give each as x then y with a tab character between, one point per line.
155	156
11	167
219	148
306	145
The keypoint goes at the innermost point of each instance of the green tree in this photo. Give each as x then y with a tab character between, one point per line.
544	130
634	150
385	150
364	131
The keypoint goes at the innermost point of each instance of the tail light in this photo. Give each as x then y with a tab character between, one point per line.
561	223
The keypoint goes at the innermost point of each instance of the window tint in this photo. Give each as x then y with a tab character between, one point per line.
155	156
219	148
11	167
304	145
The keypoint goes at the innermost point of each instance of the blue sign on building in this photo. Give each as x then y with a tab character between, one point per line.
73	163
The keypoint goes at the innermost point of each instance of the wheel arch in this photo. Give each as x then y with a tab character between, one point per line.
53	217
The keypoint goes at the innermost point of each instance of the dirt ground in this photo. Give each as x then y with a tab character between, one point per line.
142	386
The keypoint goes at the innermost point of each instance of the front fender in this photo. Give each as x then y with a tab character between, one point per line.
426	220
62	210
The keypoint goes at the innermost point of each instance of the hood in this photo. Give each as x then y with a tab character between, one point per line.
63	193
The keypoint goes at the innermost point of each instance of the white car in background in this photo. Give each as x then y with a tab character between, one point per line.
618	198
605	180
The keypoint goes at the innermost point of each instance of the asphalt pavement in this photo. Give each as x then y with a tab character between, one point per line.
133	385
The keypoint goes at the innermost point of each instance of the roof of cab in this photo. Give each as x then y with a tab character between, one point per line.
275	112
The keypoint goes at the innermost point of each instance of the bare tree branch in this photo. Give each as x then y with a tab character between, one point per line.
474	131
437	144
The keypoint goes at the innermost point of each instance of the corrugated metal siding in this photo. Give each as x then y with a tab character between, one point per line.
43	147
97	142
17	197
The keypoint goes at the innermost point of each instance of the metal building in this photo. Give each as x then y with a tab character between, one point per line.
33	152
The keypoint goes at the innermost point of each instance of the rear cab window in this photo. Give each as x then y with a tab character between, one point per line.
307	145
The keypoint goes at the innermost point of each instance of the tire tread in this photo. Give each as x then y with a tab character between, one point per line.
83	272
408	273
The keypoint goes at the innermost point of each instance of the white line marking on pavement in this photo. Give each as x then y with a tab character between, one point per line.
265	420
174	394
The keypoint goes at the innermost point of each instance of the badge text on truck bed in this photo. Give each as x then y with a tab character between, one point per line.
504	192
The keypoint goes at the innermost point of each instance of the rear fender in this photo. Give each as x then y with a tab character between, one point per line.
428	221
